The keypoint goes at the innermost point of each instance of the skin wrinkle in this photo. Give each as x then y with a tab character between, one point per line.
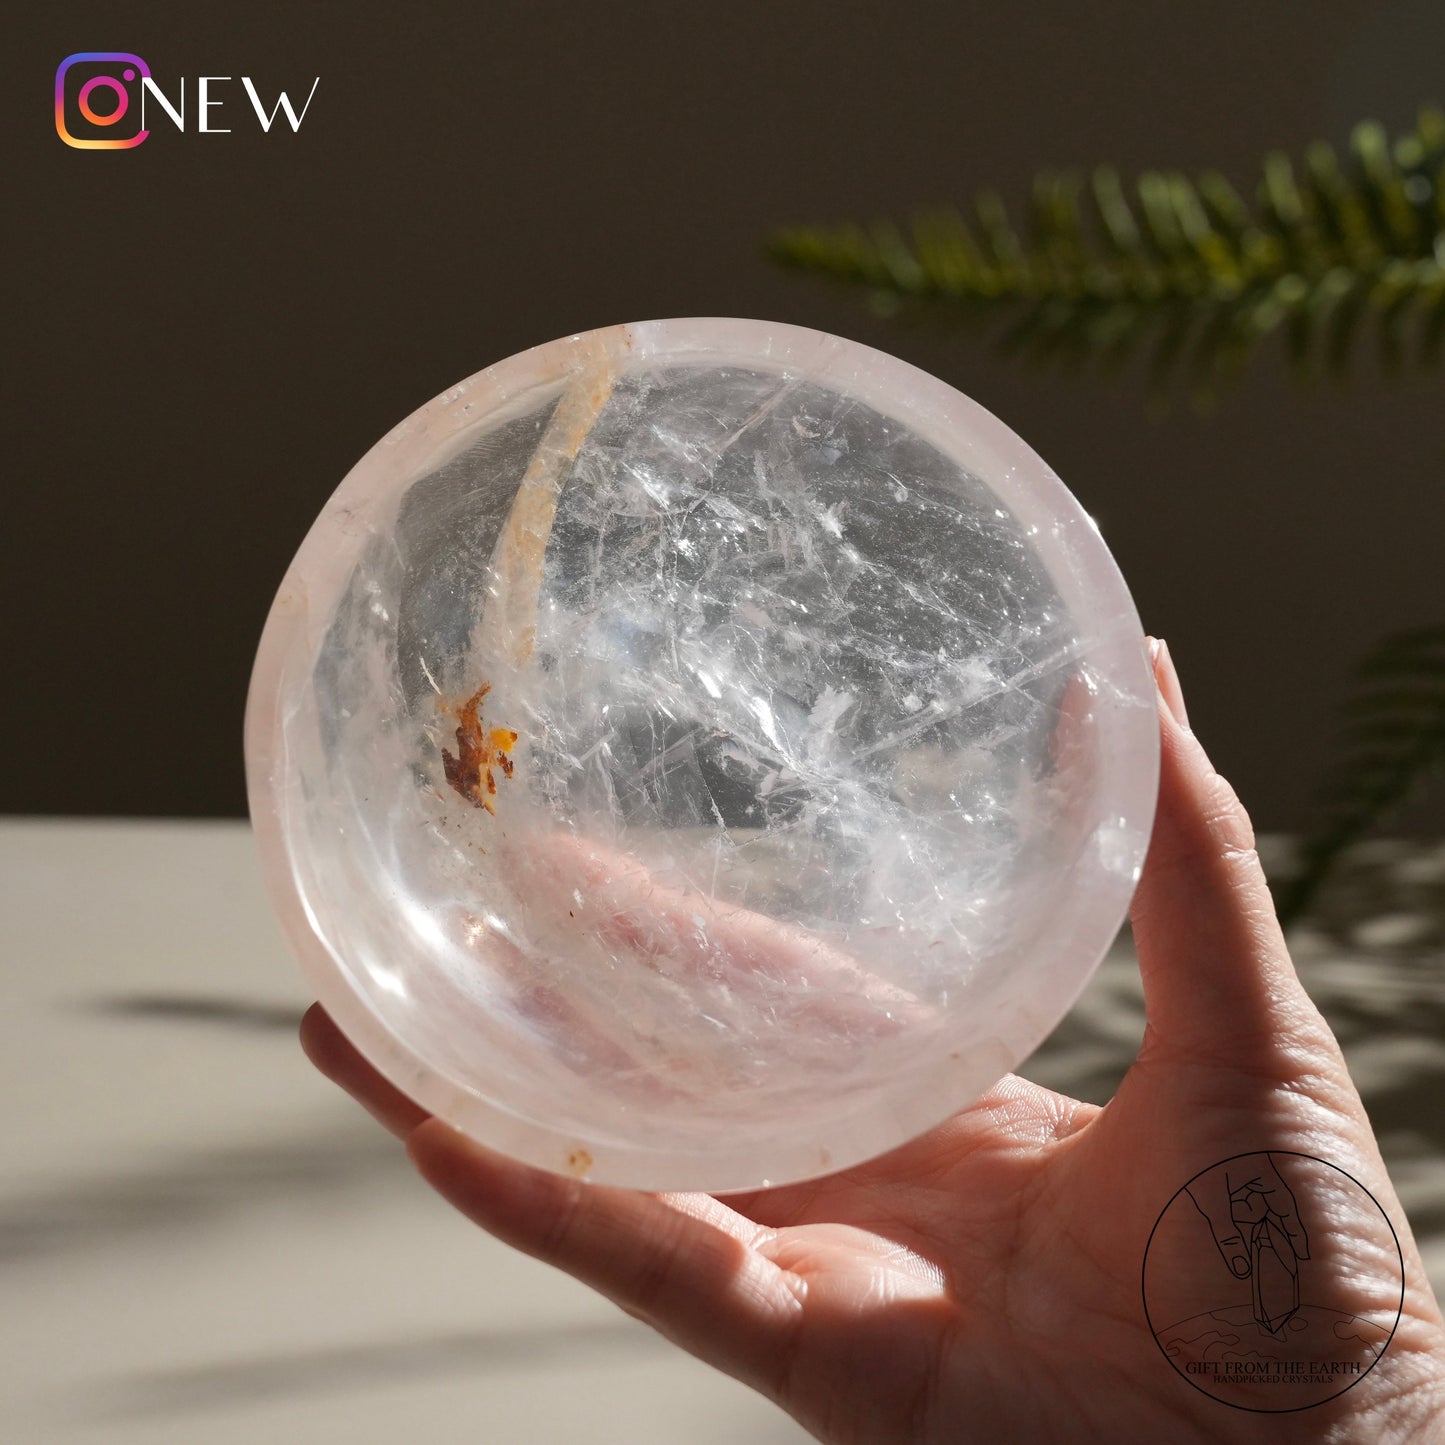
1277	1061
782	1385
1268	1077
1293	1120
1278	1052
658	1269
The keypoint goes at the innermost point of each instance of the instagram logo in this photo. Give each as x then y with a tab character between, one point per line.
101	95
97	100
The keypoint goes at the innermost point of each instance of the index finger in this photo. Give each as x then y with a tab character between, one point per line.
337	1058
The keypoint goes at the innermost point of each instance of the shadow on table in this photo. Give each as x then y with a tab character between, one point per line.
240	1382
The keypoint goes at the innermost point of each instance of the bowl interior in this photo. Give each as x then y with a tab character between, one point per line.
701	753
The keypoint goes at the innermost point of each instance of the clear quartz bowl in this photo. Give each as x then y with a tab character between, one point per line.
700	754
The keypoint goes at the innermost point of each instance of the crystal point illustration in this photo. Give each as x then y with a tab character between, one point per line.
710	748
1274	1276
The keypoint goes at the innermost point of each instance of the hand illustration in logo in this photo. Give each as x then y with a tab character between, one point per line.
1256	1226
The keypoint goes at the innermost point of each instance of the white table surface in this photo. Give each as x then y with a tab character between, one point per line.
202	1240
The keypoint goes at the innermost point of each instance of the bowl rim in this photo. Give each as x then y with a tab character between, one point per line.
1069	544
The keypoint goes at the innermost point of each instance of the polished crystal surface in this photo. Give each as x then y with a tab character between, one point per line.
700	753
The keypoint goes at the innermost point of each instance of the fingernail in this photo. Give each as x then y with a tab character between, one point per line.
1168	681
1240	1265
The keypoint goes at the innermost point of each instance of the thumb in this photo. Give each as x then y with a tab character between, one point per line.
1213	1204
1218	980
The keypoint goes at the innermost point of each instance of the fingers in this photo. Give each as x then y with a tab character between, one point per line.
333	1054
687	1264
1167	679
679	982
683	934
1286	1212
1218	979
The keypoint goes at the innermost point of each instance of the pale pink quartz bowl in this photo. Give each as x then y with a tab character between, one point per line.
700	754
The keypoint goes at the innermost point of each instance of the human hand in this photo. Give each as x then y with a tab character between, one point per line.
981	1283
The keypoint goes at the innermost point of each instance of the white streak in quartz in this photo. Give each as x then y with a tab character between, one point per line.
764	714
829	708
772	404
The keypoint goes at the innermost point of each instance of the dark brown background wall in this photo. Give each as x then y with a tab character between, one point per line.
207	331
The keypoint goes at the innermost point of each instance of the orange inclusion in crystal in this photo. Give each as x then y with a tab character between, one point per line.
469	770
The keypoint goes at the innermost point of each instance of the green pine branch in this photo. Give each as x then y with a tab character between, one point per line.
1190	272
1394	739
1195	276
